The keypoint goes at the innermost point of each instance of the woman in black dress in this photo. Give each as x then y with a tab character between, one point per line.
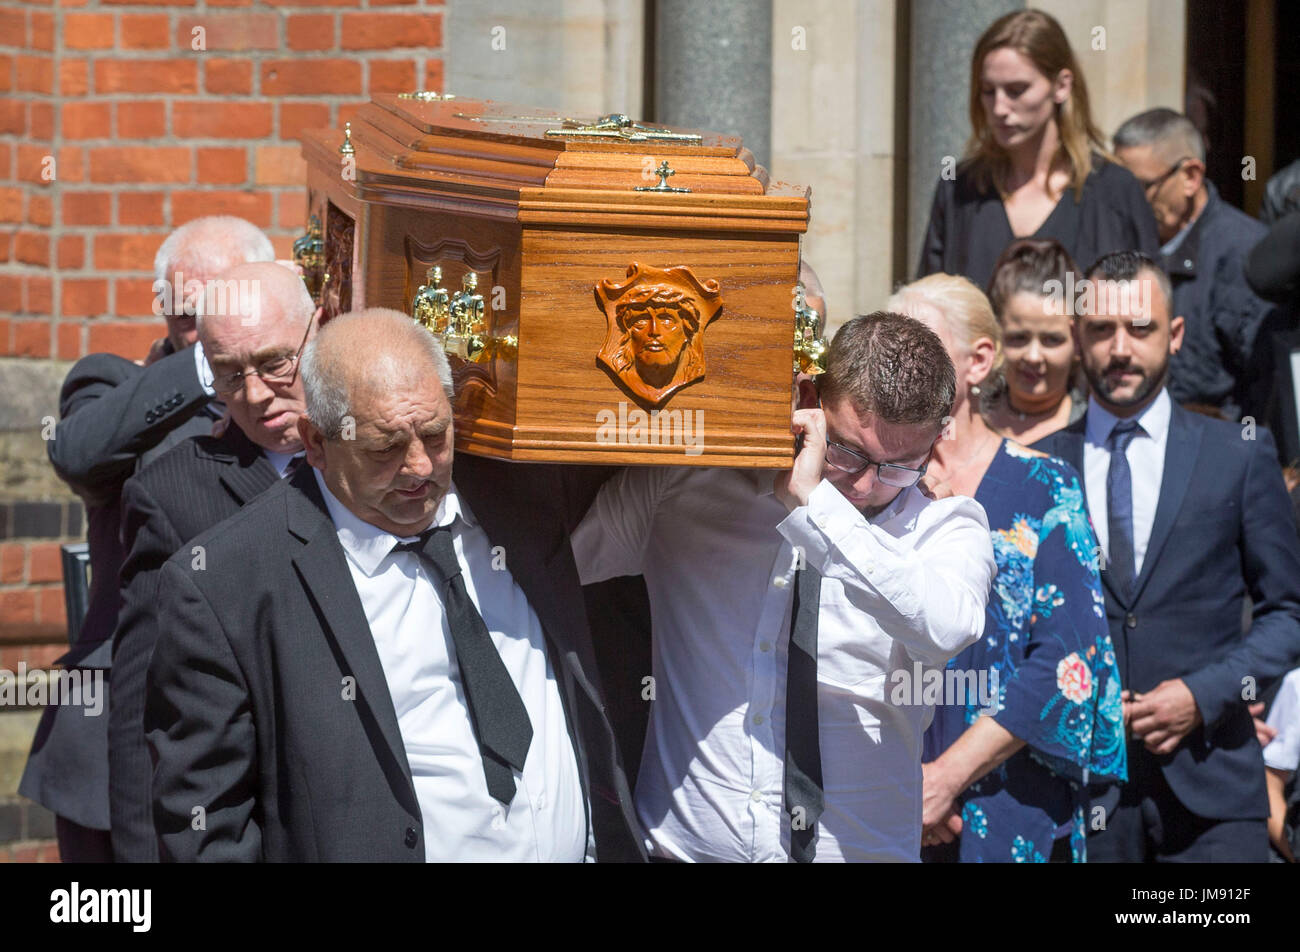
1035	164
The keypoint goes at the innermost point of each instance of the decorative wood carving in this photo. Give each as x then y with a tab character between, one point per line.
656	318
338	263
556	217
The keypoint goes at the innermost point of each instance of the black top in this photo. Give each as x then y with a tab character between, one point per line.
969	228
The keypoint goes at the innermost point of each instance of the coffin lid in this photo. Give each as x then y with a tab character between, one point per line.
500	152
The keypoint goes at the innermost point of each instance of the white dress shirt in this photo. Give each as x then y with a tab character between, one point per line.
402	598
1146	464
717	551
1283	751
281	461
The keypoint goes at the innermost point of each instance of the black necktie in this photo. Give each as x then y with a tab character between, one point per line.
804	797
496	710
1119	509
294	463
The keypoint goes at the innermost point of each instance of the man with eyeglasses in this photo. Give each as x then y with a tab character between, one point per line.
116	415
784	607
1224	362
253	324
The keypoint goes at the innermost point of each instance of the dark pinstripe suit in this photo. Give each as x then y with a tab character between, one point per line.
181	494
114	417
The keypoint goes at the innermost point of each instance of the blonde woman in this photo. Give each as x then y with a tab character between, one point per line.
1010	786
1035	164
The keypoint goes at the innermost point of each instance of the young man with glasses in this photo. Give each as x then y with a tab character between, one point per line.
785	604
1225	359
253	338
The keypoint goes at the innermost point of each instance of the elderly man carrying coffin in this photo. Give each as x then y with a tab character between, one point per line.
378	662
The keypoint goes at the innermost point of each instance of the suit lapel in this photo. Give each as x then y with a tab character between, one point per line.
247	473
1181	447
322	566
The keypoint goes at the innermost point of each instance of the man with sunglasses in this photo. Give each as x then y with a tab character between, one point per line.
785	606
1224	362
253	324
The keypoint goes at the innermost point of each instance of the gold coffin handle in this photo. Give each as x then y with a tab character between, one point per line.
458	320
309	255
809	346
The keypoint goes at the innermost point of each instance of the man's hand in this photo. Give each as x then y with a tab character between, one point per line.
157	351
938	800
1263	733
1162	717
940	819
794	487
934	488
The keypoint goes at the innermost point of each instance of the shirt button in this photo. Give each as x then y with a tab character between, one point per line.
821	522
541	801
780	581
758	718
765	646
756	796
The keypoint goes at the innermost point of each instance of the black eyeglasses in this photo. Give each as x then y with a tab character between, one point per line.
1155	183
281	369
852	462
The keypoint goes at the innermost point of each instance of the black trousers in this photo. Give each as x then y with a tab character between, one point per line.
81	844
1147	823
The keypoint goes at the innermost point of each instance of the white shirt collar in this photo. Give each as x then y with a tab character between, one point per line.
281	460
368	545
1154	419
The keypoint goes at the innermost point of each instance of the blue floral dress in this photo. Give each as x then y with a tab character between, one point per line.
1050	668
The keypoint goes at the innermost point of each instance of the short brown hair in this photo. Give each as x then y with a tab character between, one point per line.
893	367
1029	264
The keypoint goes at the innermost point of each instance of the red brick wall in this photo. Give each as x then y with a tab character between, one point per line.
147	133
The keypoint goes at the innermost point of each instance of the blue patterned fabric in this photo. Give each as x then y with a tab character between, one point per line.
1050	668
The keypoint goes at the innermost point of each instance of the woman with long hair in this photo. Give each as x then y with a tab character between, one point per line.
1031	298
1006	766
1035	164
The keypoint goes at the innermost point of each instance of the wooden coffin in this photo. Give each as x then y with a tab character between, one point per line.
633	298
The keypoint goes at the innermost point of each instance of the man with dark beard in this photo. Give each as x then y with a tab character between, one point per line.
1191	515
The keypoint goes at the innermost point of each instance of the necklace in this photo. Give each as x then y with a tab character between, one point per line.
1023	415
974	455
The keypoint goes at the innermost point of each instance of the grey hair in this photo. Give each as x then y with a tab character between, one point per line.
212	244
258	286
1167	130
323	378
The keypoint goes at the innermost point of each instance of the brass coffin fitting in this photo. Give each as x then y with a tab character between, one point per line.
809	346
309	255
458	319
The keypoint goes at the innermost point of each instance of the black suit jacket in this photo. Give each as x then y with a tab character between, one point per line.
115	416
1223	529
246	709
184	492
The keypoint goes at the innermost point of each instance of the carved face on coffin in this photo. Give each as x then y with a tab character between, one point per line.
656	321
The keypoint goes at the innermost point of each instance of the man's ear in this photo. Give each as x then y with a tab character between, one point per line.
1193	176
313	441
1176	327
808	396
